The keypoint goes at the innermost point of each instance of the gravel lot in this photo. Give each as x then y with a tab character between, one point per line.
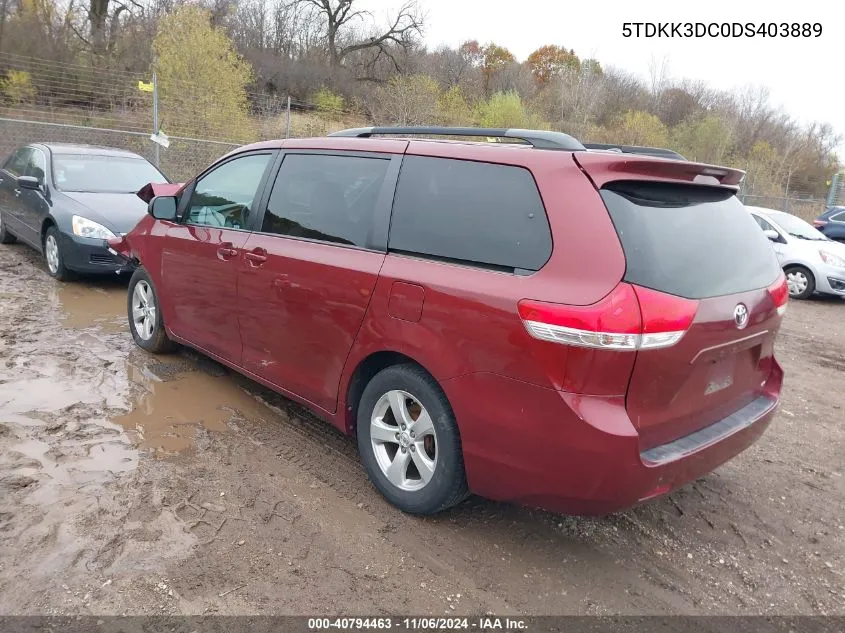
133	484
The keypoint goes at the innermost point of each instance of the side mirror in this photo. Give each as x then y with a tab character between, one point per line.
773	235
28	182
163	208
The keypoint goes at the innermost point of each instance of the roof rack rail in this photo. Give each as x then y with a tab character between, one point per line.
635	149
540	139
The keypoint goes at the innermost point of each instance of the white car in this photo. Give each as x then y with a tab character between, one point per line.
812	262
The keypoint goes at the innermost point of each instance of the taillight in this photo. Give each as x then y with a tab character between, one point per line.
779	291
818	223
628	319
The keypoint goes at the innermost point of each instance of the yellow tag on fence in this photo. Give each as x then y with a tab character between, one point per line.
145	87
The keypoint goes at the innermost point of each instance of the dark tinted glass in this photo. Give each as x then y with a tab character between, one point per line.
689	241
325	197
470	211
36	166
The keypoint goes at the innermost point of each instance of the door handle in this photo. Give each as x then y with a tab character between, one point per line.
256	257
226	252
17	192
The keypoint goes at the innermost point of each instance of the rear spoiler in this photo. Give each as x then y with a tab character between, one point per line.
154	189
603	168
636	149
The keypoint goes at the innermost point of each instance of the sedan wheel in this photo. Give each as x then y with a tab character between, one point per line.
51	252
800	282
403	440
143	310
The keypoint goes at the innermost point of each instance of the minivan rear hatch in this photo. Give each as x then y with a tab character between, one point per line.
695	246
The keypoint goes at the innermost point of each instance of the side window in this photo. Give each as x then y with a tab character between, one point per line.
469	211
838	217
16	165
763	224
225	197
36	166
326	197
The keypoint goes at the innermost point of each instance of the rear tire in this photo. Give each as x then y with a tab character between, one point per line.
801	282
5	236
414	457
144	312
53	257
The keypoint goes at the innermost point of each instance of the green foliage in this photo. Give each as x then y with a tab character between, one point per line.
453	107
17	87
637	127
202	79
506	109
328	102
704	139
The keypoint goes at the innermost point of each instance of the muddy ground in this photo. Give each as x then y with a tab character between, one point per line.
133	484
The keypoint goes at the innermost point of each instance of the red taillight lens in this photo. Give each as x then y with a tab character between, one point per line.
779	292
628	319
818	223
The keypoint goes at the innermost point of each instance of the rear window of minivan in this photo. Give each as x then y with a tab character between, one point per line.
689	241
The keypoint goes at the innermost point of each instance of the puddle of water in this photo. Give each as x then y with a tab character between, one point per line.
166	415
85	305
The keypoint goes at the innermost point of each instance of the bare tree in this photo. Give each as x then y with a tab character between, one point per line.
341	21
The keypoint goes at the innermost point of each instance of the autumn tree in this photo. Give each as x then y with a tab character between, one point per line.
453	107
549	61
506	110
637	127
202	79
494	60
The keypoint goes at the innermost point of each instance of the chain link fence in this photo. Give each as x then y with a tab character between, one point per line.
804	207
43	101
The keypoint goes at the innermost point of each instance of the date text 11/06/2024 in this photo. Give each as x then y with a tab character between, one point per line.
483	623
721	29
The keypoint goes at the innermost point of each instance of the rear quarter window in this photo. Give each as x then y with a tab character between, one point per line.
470	212
689	241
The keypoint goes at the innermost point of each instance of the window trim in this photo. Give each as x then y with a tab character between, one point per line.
380	225
261	192
472	264
833	217
47	175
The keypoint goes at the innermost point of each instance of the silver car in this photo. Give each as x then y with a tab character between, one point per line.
812	262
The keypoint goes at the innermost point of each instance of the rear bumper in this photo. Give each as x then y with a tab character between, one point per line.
580	454
90	256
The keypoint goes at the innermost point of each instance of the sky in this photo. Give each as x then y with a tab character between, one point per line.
806	76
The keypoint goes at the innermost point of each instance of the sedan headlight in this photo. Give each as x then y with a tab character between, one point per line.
83	227
832	260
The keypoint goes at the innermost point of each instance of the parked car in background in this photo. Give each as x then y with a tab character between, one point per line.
832	223
537	323
64	200
811	261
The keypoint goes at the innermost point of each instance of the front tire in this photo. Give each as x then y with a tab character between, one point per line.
5	236
409	442
144	312
53	256
800	281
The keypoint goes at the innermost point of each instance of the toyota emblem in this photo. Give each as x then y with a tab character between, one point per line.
741	316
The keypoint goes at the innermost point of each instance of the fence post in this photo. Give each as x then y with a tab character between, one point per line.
287	120
833	193
155	119
786	197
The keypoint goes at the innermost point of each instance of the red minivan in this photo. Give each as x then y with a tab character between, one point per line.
531	321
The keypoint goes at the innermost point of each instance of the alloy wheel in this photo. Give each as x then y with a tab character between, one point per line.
143	310
404	440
